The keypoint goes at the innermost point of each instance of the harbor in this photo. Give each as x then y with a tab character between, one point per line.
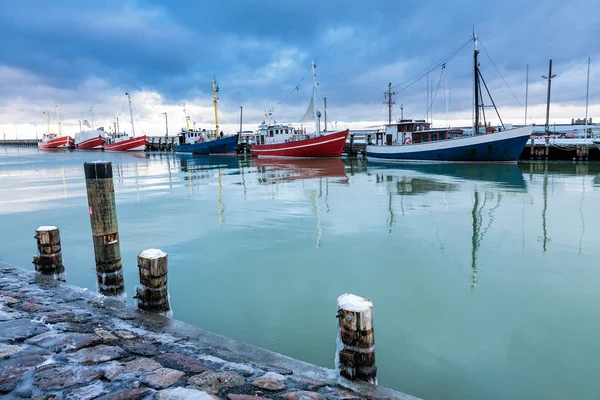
299	244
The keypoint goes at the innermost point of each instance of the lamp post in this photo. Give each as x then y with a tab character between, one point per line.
166	125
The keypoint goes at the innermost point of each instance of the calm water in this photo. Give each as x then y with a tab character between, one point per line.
484	278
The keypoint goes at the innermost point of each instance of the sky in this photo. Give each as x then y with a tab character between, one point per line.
85	55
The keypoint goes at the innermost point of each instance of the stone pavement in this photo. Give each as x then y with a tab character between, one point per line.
58	341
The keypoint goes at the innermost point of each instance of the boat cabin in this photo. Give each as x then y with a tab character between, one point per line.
195	136
407	131
116	137
277	133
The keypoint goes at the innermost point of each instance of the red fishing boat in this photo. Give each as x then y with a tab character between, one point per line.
122	141
329	145
53	141
90	140
285	141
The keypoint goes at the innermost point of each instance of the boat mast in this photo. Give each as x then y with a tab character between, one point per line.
58	121
185	116
215	89
131	114
390	102
476	81
47	121
241	114
587	97
526	92
314	99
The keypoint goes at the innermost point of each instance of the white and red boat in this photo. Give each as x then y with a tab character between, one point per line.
53	141
122	142
90	140
286	141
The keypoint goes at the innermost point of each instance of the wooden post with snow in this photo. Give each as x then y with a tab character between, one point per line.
49	259
355	353
105	232
152	293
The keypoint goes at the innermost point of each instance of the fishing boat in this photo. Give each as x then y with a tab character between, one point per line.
90	140
285	141
122	142
53	140
202	142
408	140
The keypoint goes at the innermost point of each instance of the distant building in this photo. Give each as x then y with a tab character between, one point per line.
580	121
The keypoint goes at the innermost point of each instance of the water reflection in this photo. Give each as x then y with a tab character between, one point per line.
273	170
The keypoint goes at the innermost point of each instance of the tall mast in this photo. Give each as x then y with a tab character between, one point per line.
314	76
526	92
427	97
215	90
241	114
325	113
47	121
185	116
58	121
131	114
549	78
476	81
587	97
118	129
390	102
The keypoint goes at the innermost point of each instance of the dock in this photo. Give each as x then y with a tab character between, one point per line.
61	341
20	142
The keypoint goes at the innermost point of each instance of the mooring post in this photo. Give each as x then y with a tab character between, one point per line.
152	293
49	259
531	149
355	353
105	232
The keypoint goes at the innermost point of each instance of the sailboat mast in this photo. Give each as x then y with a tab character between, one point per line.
58	121
476	81
47	121
131	114
215	90
526	92
587	97
314	99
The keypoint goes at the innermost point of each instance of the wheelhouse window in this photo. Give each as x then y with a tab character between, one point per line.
434	137
426	137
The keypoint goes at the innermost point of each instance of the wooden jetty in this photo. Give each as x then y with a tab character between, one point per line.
20	142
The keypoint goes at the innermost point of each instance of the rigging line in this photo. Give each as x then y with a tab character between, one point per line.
296	88
437	89
435	66
136	118
504	80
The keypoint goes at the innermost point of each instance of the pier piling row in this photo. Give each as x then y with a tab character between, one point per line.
355	353
105	231
49	260
152	293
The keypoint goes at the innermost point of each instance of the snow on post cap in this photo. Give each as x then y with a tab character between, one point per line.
47	228
351	302
152	254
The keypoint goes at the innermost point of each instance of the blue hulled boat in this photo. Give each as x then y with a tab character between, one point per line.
206	142
226	144
408	140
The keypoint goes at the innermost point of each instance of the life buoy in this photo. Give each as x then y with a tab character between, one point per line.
407	140
201	139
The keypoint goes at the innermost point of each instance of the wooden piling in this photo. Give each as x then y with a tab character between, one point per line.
49	259
152	293
355	353
105	232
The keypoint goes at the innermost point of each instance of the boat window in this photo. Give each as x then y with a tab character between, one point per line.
271	133
434	136
442	135
426	137
286	131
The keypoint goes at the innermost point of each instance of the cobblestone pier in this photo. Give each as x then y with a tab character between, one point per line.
62	342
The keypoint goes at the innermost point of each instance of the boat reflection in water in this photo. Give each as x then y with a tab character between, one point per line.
275	170
488	181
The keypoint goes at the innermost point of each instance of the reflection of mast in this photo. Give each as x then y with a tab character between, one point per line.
581	213
65	184
219	197
326	193
316	210
137	188
545	191
391	219
475	242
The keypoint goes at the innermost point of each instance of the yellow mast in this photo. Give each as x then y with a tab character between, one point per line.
215	90
187	124
58	121
47	121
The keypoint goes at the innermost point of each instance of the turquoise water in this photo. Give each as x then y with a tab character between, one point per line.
484	278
